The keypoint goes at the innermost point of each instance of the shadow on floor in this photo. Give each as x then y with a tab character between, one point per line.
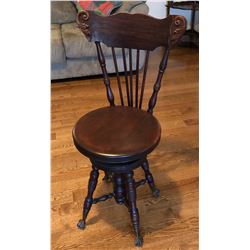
155	213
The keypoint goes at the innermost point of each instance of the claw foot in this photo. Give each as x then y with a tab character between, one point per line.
108	178
156	192
139	241
81	224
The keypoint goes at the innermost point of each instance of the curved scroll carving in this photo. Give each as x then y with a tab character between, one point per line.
177	29
82	17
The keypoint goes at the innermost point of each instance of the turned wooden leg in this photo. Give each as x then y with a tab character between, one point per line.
119	188
150	179
89	199
108	177
134	214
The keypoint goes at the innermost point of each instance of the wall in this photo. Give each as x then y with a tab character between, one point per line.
157	9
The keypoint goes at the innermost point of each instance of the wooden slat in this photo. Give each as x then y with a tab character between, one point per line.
117	75
126	75
144	78
137	77
131	77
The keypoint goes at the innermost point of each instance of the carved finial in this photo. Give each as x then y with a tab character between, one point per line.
177	29
82	17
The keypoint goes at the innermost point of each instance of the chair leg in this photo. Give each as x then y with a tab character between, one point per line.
119	188
94	174
150	179
134	214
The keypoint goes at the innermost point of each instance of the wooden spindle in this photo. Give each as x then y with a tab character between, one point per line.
134	214
131	76
144	78
117	75
137	77
101	59
126	74
157	84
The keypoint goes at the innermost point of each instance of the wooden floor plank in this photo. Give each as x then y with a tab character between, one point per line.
169	222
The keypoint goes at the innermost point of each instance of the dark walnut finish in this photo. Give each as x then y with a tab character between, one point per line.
117	134
135	31
117	139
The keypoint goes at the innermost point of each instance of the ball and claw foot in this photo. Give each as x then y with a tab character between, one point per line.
81	224
156	192
139	241
108	178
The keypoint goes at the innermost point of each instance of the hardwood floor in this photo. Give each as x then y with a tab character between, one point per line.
169	222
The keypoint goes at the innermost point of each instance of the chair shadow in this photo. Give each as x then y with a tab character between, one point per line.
155	213
173	150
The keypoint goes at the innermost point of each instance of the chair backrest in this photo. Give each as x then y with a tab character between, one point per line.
132	31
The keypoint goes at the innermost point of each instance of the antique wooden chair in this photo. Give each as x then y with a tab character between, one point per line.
117	139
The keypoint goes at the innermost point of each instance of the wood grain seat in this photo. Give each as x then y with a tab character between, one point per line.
117	133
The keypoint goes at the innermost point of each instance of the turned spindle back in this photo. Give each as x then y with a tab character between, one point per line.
130	32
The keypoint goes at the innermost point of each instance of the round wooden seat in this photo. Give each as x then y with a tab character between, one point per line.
117	134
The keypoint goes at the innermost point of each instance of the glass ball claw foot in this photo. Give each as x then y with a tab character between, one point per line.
81	224
108	177
156	192
139	241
